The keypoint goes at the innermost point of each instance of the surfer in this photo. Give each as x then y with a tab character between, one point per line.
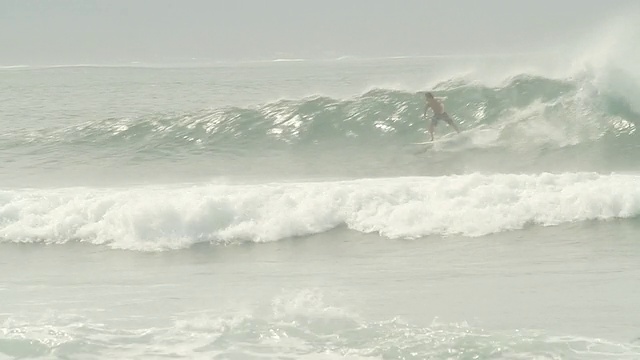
438	113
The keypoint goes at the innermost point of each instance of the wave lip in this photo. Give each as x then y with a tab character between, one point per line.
163	218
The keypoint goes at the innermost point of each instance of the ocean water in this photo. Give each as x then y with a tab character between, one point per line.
281	210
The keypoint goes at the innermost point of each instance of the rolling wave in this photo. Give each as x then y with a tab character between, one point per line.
527	110
179	216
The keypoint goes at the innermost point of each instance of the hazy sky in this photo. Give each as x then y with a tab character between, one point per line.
106	31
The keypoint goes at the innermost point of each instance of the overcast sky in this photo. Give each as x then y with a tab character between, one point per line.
107	31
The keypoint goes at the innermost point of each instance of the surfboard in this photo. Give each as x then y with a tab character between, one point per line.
436	141
444	139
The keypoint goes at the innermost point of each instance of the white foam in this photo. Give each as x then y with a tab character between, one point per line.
158	218
293	334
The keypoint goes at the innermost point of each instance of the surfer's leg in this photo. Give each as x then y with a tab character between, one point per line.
432	126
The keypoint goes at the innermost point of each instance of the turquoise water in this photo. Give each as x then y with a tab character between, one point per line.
280	210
